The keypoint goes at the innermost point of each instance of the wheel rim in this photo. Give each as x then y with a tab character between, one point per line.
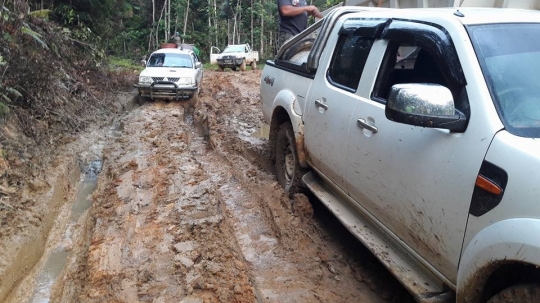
289	164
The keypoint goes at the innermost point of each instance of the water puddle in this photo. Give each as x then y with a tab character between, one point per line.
59	256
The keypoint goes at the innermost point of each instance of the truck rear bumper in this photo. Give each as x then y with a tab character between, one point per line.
166	90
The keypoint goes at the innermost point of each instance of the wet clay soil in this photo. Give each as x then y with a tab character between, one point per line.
187	209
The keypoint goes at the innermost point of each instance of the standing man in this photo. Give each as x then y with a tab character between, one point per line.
293	15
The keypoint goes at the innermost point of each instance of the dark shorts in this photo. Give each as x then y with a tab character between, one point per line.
283	36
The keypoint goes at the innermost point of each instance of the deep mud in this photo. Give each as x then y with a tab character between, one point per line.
186	209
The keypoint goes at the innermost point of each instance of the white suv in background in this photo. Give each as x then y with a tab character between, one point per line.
170	73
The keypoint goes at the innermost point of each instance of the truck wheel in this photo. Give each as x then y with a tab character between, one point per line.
518	293
253	65
233	68
243	65
194	99
141	100
288	171
220	68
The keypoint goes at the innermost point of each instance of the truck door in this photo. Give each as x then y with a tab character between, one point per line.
331	103
416	181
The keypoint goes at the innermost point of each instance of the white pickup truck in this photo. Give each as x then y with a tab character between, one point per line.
234	56
419	129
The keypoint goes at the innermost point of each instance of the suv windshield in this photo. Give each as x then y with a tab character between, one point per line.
170	60
234	49
508	55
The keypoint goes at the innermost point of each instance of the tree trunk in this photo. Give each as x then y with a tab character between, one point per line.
252	23
185	21
261	48
216	22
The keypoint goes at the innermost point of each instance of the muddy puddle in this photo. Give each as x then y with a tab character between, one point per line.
58	257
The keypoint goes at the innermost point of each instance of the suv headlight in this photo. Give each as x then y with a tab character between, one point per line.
144	79
185	80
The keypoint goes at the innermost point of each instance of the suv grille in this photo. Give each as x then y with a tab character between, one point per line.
166	79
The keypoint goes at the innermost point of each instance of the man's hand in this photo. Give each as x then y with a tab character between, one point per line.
314	11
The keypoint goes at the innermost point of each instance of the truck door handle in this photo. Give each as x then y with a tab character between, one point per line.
319	103
363	124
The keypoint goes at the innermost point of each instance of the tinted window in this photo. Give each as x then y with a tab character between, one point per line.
348	61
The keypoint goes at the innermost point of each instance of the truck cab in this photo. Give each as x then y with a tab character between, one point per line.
416	128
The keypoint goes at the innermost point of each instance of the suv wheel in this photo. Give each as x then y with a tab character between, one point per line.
220	68
243	65
141	100
288	171
253	65
521	293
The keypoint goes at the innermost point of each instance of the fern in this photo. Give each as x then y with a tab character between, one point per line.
42	13
28	31
4	110
13	92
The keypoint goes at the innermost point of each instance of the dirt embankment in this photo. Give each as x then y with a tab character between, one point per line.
186	209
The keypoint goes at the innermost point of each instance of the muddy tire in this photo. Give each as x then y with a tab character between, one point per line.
194	99
253	65
141	100
288	171
521	293
233	68
220	68
243	65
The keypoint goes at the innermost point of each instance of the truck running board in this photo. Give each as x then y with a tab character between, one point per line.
415	276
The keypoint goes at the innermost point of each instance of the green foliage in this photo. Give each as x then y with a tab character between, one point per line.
42	14
37	37
124	63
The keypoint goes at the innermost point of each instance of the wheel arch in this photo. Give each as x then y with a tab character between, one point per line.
283	114
501	255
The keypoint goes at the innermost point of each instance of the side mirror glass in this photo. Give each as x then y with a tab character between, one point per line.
422	99
424	104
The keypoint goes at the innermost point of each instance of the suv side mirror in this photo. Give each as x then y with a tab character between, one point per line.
424	104
198	64
143	62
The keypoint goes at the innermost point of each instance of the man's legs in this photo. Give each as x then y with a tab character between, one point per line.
283	36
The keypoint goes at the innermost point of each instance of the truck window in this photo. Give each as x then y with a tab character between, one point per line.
348	61
409	64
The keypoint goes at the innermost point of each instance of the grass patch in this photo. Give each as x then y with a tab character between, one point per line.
123	63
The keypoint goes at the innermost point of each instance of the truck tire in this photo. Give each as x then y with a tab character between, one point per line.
141	100
288	171
220	68
253	65
243	65
520	293
193	99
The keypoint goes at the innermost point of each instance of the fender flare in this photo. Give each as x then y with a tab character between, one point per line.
512	240
286	99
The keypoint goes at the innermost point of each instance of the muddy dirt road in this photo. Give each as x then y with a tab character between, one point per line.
173	203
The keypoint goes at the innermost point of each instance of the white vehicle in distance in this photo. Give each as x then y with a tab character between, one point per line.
171	74
234	56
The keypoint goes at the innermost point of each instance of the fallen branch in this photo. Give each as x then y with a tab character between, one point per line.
6	205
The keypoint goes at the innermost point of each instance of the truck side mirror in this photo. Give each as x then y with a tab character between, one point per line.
424	104
143	62
198	64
